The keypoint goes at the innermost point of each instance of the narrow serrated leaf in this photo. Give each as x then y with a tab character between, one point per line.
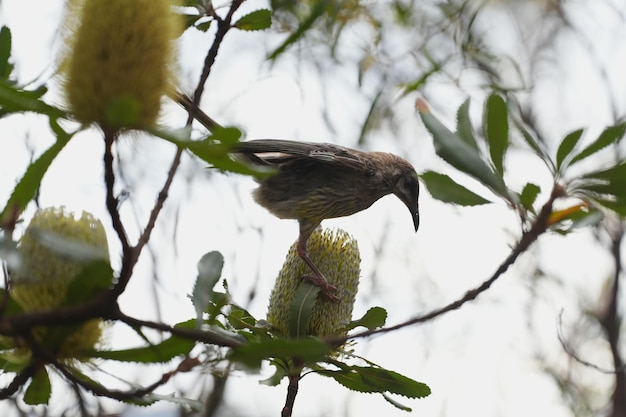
278	375
162	352
611	134
13	99
27	187
370	379
214	153
445	189
257	20
461	155
300	310
209	272
566	147
611	180
464	127
497	130
389	381
39	389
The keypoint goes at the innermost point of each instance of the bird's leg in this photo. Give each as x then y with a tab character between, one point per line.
319	280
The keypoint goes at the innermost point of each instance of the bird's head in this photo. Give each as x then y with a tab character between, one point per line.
406	188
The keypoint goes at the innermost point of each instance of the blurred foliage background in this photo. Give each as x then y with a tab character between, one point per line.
511	111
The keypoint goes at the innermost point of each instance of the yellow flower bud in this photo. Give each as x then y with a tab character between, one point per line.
337	256
117	60
55	247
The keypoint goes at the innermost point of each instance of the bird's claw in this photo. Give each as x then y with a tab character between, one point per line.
325	287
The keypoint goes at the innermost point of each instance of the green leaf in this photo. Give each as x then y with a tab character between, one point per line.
461	155
374	318
607	187
204	26
529	195
609	181
306	349
26	189
370	379
445	189
257	20
240	318
385	380
319	8
39	389
216	154
567	146
611	134
5	53
209	272
300	310
497	130
274	379
162	352
464	127
13	99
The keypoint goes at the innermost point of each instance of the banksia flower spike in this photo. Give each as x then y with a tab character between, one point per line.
117	63
337	255
48	267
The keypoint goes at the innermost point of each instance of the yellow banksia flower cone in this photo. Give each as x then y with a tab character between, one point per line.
118	60
337	256
47	269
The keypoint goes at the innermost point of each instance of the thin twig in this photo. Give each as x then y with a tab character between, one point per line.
292	388
111	198
223	26
158	206
204	336
528	238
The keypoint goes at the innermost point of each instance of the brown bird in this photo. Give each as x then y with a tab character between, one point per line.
317	181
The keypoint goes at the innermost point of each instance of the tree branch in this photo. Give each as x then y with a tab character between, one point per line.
539	226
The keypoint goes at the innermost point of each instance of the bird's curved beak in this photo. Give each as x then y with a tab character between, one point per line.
409	198
416	218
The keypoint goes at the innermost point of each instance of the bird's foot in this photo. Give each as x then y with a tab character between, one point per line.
328	291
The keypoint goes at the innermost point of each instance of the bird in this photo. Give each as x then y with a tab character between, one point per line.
311	182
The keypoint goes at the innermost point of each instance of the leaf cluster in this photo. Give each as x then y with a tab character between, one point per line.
482	157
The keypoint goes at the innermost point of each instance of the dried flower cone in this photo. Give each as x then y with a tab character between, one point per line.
42	279
337	256
117	60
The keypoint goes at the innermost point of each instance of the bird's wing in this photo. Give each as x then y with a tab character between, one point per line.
276	151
